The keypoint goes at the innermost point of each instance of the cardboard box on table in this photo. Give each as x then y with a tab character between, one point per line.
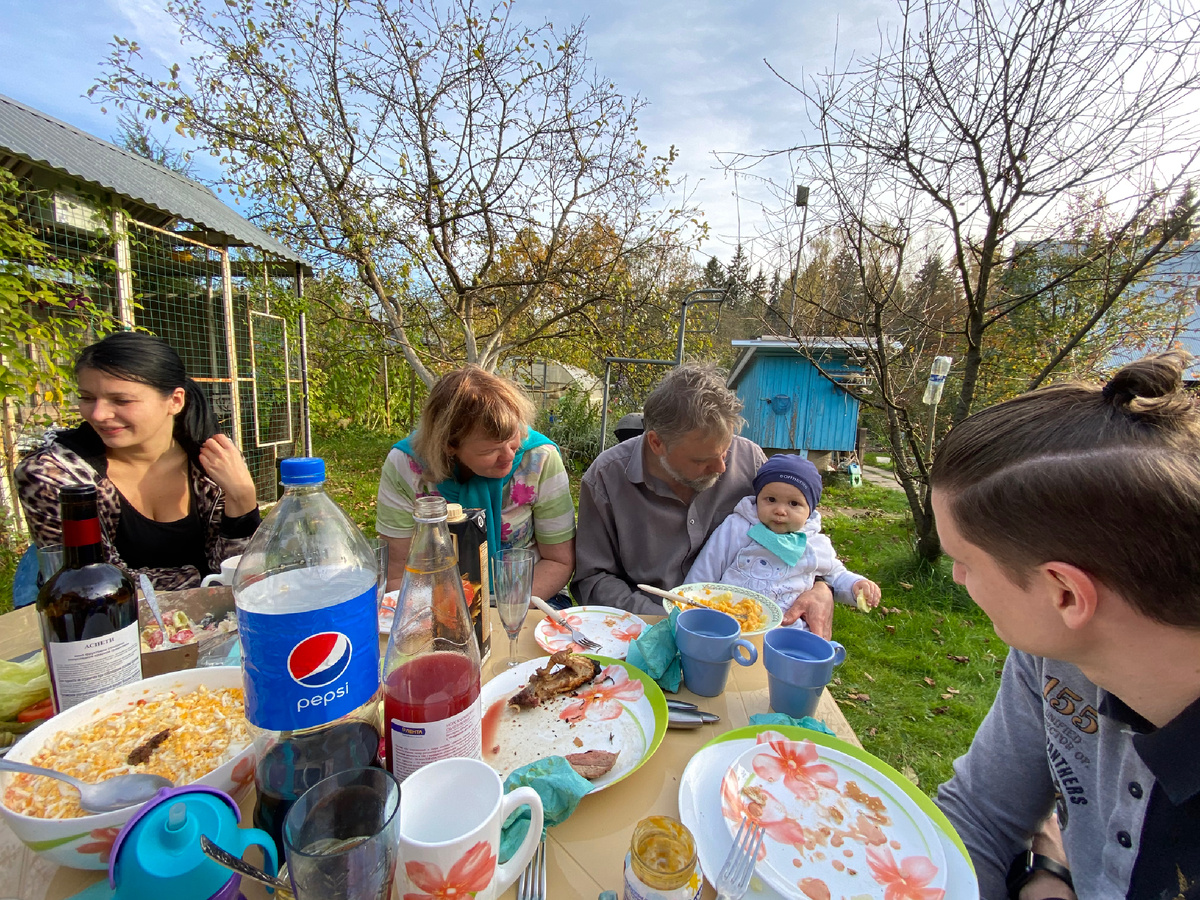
197	603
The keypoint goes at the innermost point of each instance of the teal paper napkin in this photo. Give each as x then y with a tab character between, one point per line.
655	653
780	719
560	787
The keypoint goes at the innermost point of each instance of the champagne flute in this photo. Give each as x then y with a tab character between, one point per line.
513	571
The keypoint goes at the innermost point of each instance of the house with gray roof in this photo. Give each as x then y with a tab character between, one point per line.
162	252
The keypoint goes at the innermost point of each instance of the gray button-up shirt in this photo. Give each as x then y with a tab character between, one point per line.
633	528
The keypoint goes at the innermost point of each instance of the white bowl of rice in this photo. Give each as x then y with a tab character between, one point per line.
208	743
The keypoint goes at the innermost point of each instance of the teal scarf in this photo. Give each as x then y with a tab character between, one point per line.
788	547
479	492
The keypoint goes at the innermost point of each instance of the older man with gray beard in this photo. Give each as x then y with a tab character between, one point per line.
647	505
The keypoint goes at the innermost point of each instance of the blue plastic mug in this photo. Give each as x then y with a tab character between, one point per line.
799	664
708	641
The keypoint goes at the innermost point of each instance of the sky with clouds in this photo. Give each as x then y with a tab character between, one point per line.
698	63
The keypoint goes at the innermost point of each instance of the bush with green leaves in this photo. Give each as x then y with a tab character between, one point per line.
574	424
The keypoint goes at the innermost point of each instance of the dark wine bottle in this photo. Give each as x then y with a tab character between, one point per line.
88	610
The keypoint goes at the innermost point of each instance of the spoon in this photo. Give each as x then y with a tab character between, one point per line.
680	599
114	793
239	865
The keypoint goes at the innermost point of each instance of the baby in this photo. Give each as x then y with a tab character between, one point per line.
772	542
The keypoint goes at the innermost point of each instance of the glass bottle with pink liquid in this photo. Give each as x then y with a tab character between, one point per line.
431	673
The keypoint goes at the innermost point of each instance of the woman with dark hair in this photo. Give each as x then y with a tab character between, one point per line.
175	496
1072	515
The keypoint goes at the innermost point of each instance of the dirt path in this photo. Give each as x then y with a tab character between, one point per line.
881	477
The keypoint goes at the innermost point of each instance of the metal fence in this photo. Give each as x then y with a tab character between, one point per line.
220	308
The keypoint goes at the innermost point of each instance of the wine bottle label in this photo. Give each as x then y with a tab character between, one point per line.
416	743
82	669
308	668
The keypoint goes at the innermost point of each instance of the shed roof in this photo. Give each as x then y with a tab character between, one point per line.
31	135
801	344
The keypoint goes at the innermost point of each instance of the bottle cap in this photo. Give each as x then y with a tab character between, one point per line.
302	470
454	512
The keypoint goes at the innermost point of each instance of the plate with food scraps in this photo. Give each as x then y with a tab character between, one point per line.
705	803
617	718
609	627
387	611
763	613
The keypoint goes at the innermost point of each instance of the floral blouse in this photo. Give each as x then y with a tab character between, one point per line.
536	504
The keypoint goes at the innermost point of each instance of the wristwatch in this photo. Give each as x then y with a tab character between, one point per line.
1028	864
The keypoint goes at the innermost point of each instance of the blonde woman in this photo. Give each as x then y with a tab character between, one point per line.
474	445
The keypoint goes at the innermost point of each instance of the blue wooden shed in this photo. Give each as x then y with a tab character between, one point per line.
788	404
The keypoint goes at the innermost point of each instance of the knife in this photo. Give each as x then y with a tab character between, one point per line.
682	704
690	718
152	602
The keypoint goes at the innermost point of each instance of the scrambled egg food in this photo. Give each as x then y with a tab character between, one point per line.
203	730
747	610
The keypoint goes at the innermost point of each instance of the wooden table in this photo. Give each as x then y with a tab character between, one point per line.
585	854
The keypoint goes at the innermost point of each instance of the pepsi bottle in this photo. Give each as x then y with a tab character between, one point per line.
308	621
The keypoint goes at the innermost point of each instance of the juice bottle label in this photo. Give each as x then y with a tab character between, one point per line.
416	743
303	669
83	669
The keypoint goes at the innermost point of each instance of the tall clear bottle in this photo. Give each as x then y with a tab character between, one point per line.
307	616
431	702
88	610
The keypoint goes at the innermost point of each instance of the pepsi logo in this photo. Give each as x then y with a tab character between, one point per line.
320	659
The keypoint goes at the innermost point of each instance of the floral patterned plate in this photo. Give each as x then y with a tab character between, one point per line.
387	611
834	826
609	627
703	810
622	710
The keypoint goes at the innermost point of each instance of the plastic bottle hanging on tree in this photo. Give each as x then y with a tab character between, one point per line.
937	380
431	675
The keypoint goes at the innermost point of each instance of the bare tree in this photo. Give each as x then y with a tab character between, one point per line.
972	134
475	174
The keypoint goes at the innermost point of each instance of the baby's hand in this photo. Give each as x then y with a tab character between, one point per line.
866	593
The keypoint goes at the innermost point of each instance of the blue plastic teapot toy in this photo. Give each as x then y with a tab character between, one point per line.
158	853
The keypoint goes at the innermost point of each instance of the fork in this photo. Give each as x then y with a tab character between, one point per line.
577	636
532	884
734	876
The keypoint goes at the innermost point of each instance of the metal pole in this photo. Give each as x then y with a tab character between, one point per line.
305	409
682	327
604	408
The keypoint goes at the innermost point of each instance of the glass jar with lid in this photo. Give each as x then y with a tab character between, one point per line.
661	863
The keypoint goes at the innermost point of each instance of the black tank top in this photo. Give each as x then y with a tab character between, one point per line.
144	543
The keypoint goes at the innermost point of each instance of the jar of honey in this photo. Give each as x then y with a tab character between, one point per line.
661	863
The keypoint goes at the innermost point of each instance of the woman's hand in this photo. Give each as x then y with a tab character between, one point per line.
224	464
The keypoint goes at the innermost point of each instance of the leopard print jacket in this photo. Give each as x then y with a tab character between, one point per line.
77	457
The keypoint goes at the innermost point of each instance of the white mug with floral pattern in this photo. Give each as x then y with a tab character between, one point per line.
451	812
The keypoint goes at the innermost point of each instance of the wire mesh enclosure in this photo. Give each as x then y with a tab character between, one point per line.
218	307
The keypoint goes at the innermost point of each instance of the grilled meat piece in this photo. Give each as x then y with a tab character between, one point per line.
575	672
141	754
592	763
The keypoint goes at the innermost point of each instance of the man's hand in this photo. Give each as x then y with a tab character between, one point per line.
815	607
1043	885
